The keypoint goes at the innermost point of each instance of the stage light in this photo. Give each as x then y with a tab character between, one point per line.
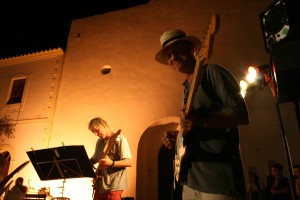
252	74
255	78
243	85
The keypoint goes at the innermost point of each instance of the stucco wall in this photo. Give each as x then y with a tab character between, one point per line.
139	91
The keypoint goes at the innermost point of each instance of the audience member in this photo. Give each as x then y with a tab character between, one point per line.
296	173
18	191
254	190
278	186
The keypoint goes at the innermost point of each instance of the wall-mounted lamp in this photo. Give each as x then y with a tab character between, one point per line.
257	77
105	69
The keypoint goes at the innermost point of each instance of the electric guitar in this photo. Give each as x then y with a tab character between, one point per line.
109	144
180	164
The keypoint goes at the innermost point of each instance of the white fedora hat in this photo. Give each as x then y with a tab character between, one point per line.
171	37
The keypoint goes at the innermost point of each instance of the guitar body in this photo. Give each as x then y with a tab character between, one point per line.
181	161
180	171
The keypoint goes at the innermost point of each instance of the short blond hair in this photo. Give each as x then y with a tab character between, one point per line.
96	122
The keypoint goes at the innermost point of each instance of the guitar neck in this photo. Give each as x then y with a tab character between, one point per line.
110	143
196	79
204	54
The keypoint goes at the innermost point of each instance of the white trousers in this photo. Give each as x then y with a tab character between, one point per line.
191	194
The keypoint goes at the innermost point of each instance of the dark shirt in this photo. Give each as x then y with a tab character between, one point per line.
17	192
216	165
283	183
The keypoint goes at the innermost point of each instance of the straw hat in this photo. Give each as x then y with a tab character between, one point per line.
171	37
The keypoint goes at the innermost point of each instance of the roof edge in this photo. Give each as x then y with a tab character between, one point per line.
31	57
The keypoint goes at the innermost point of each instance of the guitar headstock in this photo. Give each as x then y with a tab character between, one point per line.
114	136
207	41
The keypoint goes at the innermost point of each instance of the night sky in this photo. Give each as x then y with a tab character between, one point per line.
28	27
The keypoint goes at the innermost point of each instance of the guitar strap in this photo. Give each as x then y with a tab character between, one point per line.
187	156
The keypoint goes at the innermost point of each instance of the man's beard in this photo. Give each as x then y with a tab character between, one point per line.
187	66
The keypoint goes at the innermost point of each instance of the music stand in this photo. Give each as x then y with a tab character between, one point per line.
61	162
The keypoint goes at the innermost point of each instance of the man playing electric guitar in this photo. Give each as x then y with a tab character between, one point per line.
113	155
213	167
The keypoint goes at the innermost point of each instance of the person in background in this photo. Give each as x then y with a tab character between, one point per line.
254	190
112	180
296	173
212	168
278	186
18	191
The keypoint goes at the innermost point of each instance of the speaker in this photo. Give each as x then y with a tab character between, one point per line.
286	71
280	22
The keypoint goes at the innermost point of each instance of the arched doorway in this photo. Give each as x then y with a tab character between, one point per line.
153	159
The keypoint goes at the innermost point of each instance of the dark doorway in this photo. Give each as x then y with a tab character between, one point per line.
4	164
166	189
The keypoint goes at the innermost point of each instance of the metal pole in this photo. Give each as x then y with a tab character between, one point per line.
287	153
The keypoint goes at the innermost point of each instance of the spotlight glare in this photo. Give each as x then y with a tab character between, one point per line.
251	78
252	74
252	70
243	93
243	85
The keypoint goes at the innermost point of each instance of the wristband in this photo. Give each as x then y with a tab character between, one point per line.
112	165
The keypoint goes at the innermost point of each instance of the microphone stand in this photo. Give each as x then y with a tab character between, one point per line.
287	153
274	88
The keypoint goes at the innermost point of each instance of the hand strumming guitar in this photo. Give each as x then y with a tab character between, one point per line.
169	139
190	122
187	123
105	162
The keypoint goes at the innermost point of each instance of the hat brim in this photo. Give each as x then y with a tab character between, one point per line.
160	57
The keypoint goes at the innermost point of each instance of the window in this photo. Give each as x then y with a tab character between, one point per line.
17	91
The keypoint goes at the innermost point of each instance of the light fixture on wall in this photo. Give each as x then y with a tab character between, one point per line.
105	69
257	77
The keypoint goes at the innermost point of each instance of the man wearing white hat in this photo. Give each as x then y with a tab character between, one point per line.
211	136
